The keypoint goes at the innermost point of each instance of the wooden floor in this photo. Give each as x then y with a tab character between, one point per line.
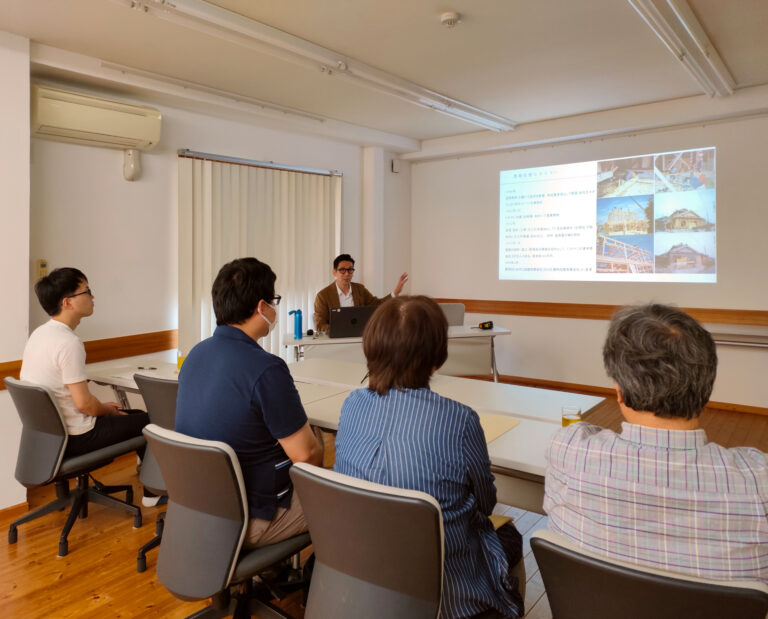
98	577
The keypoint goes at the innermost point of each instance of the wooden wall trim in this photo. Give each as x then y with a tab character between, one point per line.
605	392
111	348
590	311
130	345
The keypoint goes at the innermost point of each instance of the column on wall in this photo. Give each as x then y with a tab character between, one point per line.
14	241
372	238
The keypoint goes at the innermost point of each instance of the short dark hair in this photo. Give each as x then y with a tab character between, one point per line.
662	359
405	340
52	289
239	287
342	258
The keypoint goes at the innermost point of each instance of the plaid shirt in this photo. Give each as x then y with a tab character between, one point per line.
663	498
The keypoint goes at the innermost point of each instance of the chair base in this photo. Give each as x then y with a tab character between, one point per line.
254	597
141	558
78	498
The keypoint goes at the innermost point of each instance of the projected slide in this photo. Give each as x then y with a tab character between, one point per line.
644	218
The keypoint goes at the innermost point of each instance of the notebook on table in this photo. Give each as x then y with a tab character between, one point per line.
349	321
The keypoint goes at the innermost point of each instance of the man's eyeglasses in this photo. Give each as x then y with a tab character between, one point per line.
77	294
349	270
276	300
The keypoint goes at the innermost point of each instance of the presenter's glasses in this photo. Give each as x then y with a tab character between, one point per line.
349	270
276	300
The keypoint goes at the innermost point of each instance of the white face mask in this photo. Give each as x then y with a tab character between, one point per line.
271	323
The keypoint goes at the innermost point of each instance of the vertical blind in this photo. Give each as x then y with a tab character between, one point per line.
288	219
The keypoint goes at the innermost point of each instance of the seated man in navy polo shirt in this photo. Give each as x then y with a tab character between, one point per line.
232	390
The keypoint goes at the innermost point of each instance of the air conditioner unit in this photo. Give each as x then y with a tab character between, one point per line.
84	119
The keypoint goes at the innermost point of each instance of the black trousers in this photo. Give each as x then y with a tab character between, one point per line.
512	544
109	429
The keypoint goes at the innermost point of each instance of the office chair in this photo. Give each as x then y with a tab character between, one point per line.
454	313
41	461
202	553
581	584
378	550
159	397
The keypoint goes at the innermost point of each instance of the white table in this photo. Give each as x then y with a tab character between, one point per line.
518	421
454	333
517	455
120	377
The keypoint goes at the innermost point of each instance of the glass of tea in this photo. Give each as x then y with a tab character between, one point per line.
570	414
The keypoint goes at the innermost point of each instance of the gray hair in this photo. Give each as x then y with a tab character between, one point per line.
662	359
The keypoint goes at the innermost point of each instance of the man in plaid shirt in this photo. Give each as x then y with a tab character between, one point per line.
659	494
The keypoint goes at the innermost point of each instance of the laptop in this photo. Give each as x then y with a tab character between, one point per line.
349	321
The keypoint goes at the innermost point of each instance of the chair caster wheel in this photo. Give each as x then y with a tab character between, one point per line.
13	535
137	521
141	564
63	549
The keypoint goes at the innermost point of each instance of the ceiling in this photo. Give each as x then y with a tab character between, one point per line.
523	60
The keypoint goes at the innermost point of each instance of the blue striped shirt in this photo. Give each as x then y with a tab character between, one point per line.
418	440
667	499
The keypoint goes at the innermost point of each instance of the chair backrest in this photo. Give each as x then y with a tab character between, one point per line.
582	585
207	513
378	549
159	395
43	433
454	313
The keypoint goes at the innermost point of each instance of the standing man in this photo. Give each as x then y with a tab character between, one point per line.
232	390
345	293
659	494
54	357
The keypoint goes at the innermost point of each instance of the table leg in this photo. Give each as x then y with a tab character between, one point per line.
493	362
121	397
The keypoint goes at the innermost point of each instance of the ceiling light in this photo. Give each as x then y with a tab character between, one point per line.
449	19
675	24
227	25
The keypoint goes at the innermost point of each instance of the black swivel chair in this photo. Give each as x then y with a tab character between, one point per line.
584	585
159	397
41	461
378	550
202	553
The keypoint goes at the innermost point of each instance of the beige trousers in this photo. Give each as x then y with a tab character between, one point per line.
285	524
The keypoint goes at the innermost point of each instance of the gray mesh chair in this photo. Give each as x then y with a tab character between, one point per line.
584	585
378	550
41	461
202	553
159	397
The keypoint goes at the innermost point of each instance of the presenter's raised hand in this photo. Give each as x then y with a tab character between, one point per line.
400	284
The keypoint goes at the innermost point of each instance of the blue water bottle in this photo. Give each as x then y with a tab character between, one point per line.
297	327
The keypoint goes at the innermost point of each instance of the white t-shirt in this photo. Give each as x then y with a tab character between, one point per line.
54	357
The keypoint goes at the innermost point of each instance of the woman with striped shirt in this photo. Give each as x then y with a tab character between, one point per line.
399	433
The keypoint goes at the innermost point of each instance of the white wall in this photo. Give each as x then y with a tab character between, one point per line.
14	241
123	235
396	231
454	245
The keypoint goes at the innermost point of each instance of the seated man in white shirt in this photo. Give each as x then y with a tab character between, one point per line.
54	357
343	292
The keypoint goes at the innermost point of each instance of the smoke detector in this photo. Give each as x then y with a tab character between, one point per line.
450	18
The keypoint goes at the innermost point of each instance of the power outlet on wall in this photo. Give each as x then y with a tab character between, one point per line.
42	268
